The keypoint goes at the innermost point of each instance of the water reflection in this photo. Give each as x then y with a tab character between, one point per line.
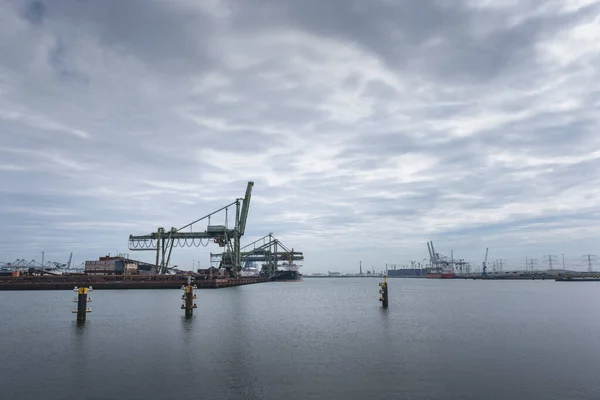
188	323
315	340
79	328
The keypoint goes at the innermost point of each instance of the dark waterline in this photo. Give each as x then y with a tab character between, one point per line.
318	339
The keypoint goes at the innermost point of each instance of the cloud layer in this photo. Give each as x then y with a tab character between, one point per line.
368	127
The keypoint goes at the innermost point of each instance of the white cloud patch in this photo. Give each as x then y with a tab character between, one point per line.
40	122
367	132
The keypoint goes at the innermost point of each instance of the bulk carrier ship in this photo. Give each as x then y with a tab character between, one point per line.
288	271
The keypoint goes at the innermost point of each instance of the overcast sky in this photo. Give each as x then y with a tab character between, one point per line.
368	127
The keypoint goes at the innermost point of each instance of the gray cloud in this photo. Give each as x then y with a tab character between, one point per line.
35	12
368	129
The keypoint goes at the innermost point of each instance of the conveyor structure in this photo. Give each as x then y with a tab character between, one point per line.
268	251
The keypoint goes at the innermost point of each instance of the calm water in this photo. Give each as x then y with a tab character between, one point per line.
319	339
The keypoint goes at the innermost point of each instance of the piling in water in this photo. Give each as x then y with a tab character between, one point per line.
188	298
82	300
384	292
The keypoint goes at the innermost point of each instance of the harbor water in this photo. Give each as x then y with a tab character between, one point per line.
323	338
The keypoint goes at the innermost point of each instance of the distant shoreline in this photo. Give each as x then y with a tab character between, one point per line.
344	276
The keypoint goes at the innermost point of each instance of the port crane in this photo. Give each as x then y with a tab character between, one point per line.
33	266
268	250
64	266
440	262
484	263
162	241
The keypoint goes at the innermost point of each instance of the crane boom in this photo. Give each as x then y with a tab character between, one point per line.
430	254
245	207
435	256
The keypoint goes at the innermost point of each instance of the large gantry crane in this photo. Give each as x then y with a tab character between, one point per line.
163	241
33	266
268	251
440	262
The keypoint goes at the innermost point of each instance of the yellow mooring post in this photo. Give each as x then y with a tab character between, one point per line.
188	298
384	292
82	300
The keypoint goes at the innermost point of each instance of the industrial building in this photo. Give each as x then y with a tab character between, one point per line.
119	265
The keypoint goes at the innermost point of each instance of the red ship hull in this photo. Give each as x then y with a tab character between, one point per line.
445	275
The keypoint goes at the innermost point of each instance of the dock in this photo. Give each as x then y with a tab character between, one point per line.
510	276
557	275
567	278
121	282
122	272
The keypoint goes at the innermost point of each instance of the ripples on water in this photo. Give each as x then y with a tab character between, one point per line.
319	339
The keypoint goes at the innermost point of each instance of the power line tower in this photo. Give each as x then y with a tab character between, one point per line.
532	263
500	264
550	259
589	258
496	266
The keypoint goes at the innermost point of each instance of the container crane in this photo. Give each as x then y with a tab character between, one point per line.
66	266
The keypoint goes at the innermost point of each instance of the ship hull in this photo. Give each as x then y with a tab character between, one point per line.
406	273
287	276
445	275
